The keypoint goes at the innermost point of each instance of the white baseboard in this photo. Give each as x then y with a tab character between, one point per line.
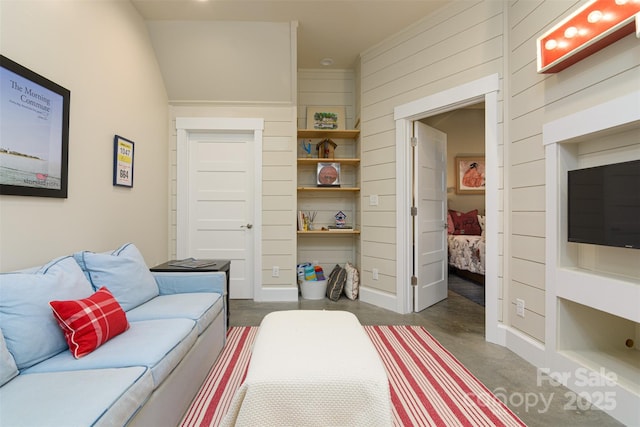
378	298
277	294
526	347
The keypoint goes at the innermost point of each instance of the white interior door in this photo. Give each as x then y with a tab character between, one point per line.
430	233
220	203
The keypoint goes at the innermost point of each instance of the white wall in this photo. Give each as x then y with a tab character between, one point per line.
436	54
535	100
433	55
278	182
238	61
251	70
101	52
326	88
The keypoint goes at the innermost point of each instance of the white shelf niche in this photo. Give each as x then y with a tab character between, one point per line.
593	302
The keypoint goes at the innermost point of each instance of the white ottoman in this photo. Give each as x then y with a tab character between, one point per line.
312	368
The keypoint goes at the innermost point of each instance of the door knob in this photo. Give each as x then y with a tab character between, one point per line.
247	226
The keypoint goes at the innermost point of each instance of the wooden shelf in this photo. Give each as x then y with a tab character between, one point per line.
314	160
329	233
336	189
315	133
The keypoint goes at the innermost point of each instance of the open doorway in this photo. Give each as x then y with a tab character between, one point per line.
465	183
473	92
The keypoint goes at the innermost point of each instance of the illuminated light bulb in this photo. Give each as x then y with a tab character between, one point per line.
570	32
563	44
594	16
621	2
551	44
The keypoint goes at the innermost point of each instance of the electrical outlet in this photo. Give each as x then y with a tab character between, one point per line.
520	307
373	200
275	271
375	273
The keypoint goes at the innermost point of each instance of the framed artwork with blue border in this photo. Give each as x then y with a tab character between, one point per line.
34	133
123	151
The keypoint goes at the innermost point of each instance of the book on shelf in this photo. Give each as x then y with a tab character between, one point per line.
340	228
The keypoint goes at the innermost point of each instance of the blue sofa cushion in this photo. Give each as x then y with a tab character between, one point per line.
201	307
30	330
8	368
123	271
79	398
157	344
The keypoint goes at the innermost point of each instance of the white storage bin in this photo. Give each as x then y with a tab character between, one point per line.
313	289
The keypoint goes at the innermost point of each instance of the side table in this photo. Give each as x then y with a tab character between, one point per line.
215	265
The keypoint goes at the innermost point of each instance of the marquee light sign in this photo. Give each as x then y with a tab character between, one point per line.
594	26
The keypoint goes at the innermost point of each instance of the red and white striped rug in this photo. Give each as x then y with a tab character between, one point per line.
429	387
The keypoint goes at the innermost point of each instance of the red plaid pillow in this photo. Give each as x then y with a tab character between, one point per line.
88	323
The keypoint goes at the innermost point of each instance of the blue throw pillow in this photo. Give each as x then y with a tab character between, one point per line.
123	272
8	368
30	330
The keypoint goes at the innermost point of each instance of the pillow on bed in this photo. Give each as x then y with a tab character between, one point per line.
481	221
450	226
466	223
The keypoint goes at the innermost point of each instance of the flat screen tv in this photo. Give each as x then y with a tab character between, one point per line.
604	205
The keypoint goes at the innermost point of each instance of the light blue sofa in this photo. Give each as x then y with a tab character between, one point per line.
146	376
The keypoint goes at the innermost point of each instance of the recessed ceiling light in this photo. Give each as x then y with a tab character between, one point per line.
326	62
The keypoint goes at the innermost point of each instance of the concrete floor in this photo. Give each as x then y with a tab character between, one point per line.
458	324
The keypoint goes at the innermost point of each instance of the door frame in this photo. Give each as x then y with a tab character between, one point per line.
484	89
187	125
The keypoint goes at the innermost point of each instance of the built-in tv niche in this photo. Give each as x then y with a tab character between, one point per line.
592	322
603	205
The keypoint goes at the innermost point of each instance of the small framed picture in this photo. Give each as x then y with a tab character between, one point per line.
328	175
326	118
470	175
123	151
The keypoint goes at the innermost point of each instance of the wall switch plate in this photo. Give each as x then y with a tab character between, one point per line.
373	200
520	307
275	271
375	273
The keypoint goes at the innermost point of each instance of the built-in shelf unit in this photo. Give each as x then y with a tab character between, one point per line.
329	247
592	292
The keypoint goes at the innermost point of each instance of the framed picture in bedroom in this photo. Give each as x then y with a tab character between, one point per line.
470	175
326	118
34	133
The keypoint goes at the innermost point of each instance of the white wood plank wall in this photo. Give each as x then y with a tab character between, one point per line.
536	99
278	183
460	43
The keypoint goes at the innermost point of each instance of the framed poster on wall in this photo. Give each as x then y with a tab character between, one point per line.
34	133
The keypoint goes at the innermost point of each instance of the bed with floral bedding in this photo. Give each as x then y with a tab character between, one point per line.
466	242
